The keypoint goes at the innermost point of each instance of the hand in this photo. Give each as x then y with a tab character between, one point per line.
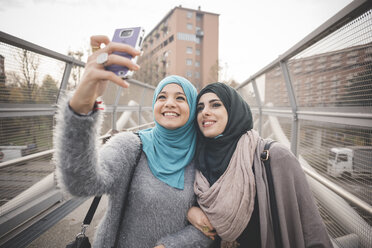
95	77
159	246
197	218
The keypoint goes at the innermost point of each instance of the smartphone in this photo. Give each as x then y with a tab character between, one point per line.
133	37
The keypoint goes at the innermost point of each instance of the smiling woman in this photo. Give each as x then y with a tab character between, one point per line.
232	187
212	116
171	109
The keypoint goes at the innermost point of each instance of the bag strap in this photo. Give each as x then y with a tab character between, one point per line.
93	207
265	157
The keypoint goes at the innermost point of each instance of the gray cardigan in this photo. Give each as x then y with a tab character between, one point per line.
155	212
300	223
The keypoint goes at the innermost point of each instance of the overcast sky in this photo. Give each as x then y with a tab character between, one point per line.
252	33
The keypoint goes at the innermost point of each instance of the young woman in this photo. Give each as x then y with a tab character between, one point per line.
231	183
161	189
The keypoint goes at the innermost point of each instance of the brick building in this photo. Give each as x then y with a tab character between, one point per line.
185	43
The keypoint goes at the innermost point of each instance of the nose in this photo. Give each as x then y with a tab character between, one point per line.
170	102
206	111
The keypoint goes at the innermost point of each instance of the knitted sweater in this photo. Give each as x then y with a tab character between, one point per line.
155	213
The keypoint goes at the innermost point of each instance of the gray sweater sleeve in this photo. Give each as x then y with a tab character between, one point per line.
83	168
189	237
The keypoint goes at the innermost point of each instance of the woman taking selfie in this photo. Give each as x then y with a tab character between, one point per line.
153	203
232	187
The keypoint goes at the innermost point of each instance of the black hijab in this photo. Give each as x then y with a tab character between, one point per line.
213	154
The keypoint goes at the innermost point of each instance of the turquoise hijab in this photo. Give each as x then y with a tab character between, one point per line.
168	152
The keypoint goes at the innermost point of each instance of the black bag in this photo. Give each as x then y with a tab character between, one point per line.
80	242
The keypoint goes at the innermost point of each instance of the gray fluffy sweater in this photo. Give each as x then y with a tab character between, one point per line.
155	212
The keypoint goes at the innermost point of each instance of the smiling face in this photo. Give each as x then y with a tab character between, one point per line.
212	115
171	109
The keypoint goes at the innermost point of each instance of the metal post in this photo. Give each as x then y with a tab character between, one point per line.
292	100
259	104
140	106
66	76
114	112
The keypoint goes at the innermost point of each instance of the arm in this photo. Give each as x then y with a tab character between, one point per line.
194	235
199	219
82	168
79	166
314	230
294	191
188	237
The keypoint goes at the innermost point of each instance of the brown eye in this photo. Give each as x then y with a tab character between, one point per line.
160	97
199	109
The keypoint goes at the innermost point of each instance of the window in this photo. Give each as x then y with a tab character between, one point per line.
197	74
189	50
189	74
341	157
197	51
187	37
197	63
189	14
189	26
188	61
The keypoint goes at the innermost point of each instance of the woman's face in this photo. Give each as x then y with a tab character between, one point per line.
171	109
212	115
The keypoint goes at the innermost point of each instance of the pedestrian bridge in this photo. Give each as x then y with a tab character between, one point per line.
316	99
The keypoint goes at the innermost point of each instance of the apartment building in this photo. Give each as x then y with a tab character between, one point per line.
185	43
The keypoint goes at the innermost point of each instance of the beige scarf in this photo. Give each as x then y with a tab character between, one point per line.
229	203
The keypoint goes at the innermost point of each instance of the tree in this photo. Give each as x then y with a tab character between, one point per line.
29	63
214	72
48	90
14	87
76	70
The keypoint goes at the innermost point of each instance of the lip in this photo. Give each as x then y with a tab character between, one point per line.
208	123
170	114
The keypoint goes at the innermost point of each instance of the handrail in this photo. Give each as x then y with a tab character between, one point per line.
15	41
133	81
140	126
47	152
339	191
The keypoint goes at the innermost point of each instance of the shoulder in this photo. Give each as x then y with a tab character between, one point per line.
285	166
125	141
282	157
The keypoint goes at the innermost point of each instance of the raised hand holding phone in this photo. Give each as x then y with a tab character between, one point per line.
95	77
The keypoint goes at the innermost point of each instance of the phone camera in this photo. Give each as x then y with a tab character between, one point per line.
126	33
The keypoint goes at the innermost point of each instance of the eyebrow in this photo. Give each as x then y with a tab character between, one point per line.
210	101
177	93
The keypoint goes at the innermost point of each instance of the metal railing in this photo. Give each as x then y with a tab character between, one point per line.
21	107
322	87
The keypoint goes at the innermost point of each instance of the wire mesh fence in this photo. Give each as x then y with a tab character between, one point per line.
327	120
